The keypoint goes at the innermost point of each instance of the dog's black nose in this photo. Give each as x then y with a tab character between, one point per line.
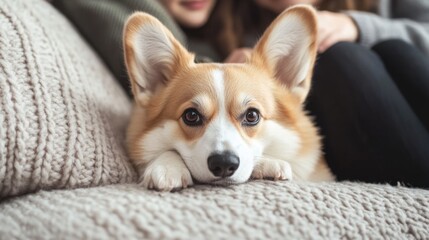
223	164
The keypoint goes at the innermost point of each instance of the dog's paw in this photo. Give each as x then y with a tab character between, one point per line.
273	169
166	173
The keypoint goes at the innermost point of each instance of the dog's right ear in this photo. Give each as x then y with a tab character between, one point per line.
152	55
288	49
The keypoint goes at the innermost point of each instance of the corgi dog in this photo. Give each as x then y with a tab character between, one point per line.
219	123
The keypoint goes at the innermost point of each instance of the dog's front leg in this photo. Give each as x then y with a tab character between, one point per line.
166	172
272	168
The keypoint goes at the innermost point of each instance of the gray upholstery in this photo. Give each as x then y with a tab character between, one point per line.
255	210
62	115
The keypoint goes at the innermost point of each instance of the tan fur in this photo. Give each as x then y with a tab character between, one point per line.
311	23
182	57
256	79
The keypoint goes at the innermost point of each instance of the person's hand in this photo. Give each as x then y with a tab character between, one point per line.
239	55
335	27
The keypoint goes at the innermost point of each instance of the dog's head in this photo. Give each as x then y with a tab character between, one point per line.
220	118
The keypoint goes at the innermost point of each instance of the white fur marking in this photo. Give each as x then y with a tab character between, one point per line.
220	123
166	173
284	144
276	169
219	86
220	135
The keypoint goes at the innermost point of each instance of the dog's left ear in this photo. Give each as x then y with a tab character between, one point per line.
288	49
152	55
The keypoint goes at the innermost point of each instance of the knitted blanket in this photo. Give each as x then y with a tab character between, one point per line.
62	114
255	210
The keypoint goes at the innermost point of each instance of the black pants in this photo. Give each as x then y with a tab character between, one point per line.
372	107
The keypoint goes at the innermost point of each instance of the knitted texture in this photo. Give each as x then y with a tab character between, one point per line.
62	116
255	210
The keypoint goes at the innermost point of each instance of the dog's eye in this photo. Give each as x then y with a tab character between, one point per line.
192	117
251	117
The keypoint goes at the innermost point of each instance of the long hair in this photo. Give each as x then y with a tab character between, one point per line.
232	20
229	23
339	5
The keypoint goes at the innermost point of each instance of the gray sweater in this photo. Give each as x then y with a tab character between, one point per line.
401	19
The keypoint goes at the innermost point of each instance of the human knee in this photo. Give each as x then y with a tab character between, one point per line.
345	53
351	67
392	43
397	50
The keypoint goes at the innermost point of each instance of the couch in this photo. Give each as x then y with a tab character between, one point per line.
64	173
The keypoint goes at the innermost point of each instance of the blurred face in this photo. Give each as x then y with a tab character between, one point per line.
189	13
280	5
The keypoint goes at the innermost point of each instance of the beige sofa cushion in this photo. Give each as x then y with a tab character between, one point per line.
255	210
62	115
